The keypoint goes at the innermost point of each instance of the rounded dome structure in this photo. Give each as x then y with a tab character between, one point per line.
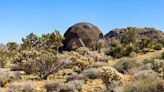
81	35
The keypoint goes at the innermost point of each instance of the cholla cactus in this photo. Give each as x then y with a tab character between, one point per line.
108	74
81	61
158	65
83	51
78	60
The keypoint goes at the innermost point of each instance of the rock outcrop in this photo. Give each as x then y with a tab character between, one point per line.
142	32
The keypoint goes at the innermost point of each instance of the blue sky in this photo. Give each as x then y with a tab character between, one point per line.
18	18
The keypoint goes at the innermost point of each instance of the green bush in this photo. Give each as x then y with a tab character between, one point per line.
145	42
12	46
161	41
125	64
115	52
46	41
128	49
158	46
130	36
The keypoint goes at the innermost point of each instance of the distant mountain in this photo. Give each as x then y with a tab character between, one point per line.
142	32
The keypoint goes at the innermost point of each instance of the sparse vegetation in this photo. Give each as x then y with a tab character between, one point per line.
125	66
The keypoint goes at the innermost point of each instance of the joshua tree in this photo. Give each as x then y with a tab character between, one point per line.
12	46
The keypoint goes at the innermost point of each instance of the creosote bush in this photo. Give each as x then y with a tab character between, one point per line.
39	62
125	64
158	46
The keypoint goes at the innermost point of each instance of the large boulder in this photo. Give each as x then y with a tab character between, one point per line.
81	35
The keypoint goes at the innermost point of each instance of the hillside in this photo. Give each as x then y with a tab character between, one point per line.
142	32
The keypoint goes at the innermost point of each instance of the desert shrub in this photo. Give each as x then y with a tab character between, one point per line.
22	87
91	73
96	85
146	66
146	84
115	51
104	58
118	49
39	62
161	41
158	46
146	42
108	75
128	49
72	86
7	76
158	65
125	64
75	76
51	86
2	63
143	74
97	46
99	64
3	82
162	55
145	50
130	35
